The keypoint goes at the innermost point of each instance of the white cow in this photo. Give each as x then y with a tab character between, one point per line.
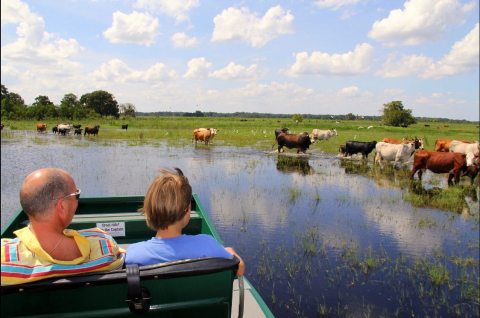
470	150
65	127
318	134
399	153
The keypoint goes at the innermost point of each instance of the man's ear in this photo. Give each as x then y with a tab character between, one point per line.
62	211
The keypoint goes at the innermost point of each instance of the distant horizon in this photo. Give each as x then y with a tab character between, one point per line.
314	56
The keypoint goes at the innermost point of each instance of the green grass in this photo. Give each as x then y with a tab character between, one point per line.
257	132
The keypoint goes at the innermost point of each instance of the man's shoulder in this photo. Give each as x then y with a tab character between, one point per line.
94	233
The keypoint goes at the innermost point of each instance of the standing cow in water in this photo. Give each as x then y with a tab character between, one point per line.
91	130
41	127
301	141
204	134
318	134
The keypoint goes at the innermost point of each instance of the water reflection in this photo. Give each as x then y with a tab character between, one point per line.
296	164
299	221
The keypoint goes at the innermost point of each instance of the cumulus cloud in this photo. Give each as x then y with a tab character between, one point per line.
463	57
178	9
235	71
320	63
350	91
182	40
241	24
334	4
137	28
34	46
198	68
419	21
116	70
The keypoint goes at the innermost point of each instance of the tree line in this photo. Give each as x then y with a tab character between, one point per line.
101	104
90	105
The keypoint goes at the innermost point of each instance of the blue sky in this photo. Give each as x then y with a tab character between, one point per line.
316	56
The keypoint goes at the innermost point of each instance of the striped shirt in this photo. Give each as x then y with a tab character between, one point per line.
24	260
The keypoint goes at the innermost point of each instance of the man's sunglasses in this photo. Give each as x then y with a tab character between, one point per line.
76	194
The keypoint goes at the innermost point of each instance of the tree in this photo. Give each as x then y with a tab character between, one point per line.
297	118
70	107
395	115
42	108
13	106
127	109
102	102
350	116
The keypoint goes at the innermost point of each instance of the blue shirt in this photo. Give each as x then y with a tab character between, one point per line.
159	250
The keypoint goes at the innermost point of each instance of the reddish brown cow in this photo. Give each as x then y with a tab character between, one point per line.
301	141
443	145
393	141
204	134
452	163
41	127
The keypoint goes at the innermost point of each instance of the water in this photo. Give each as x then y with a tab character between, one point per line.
319	237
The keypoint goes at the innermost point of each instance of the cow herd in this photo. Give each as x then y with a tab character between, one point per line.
66	129
455	157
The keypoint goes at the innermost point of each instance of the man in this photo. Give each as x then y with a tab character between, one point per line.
45	248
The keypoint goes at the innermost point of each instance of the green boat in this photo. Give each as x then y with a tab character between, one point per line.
206	287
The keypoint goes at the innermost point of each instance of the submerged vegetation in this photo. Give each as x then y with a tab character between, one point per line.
328	253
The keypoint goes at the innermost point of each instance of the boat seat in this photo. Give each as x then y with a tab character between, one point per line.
194	287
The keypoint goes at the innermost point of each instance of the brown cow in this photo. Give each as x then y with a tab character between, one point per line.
443	145
204	134
41	127
91	130
300	141
452	163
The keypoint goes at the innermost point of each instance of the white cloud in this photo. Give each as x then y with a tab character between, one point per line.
178	9
137	28
198	68
34	48
420	21
118	71
334	4
182	40
319	63
349	91
463	57
236	71
241	24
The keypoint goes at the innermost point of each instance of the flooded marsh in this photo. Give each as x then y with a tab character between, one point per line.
320	236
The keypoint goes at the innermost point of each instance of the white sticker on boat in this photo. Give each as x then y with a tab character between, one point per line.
113	228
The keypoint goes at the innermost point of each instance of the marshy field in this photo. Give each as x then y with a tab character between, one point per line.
321	235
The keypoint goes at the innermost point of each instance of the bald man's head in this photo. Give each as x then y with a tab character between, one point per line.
41	188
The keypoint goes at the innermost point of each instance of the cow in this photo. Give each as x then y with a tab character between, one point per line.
418	142
471	150
91	130
300	141
76	126
77	131
443	145
204	134
363	147
342	149
125	126
55	129
453	163
278	131
41	127
400	153
63	131
318	134
65	128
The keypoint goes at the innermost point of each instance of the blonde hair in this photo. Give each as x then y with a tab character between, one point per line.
167	199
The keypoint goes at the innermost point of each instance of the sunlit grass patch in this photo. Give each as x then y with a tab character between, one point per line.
450	199
438	274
